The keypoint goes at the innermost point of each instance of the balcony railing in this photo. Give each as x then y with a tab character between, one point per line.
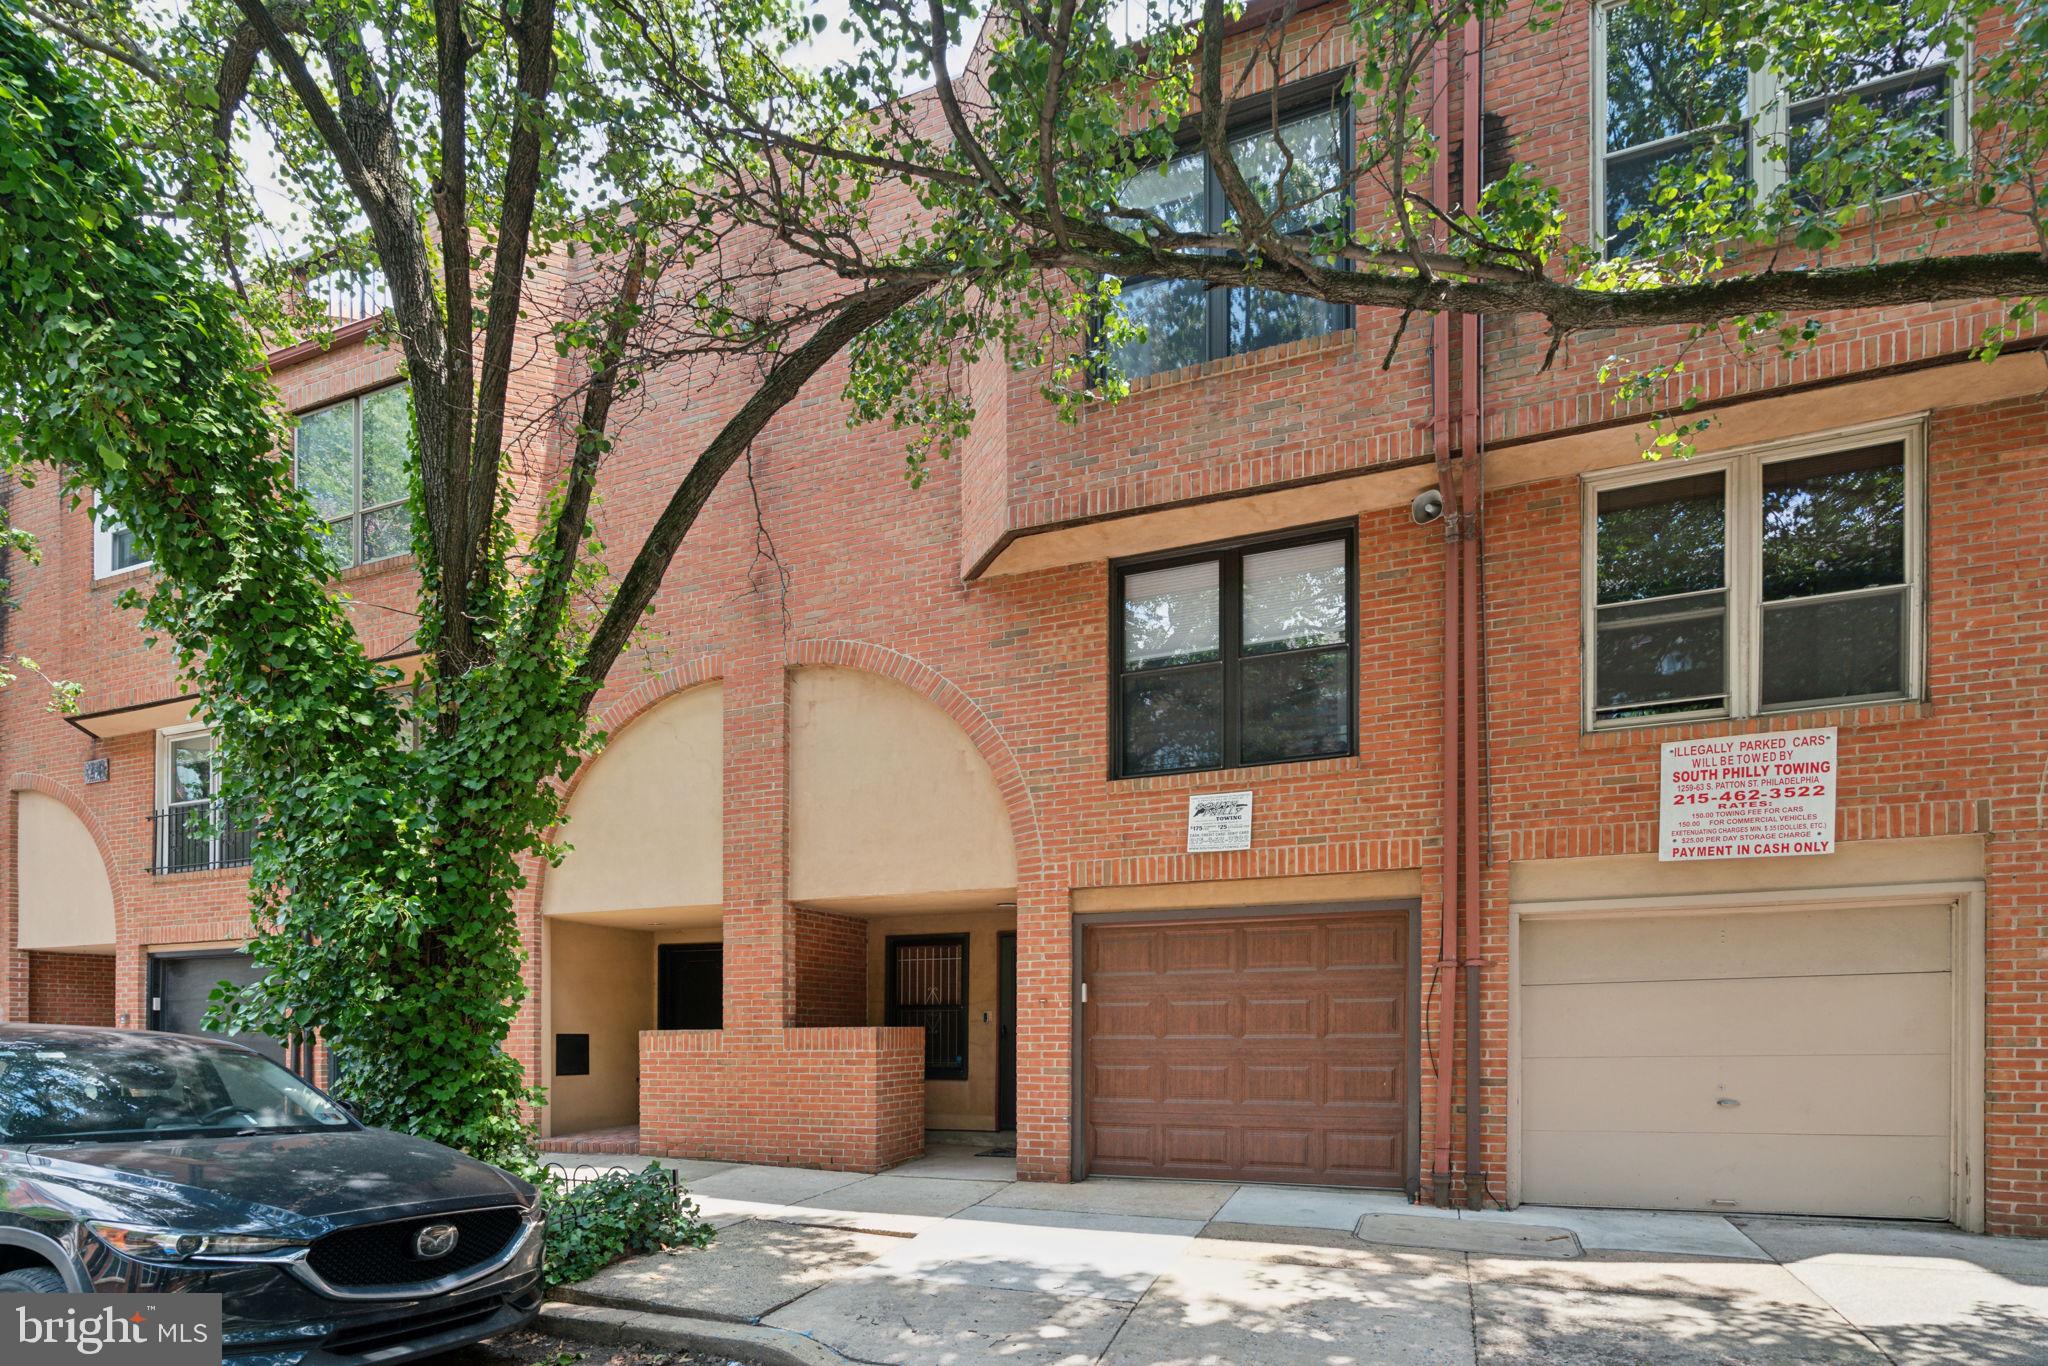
196	836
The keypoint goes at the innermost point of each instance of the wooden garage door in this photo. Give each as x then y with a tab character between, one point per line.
1790	1062
1269	1049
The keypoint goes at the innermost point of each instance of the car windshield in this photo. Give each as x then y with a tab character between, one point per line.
58	1091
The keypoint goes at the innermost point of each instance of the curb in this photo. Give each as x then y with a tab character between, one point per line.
758	1346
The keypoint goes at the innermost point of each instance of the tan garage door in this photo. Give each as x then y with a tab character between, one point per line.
1792	1062
1268	1049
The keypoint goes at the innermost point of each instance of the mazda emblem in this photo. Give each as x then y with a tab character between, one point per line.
435	1241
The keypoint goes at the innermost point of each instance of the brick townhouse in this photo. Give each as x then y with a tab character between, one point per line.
907	814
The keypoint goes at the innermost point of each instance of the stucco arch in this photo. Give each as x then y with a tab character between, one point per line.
645	817
890	797
64	893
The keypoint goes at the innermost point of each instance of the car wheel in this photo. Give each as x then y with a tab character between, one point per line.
34	1280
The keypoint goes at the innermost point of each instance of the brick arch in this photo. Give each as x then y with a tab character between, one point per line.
116	878
964	712
642	698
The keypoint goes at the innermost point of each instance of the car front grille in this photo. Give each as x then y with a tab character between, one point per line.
382	1254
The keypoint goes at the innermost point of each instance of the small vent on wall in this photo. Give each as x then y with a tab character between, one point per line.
572	1055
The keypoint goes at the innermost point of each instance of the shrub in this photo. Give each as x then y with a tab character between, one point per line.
594	1222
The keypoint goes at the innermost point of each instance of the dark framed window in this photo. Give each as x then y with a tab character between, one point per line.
1240	655
926	987
351	459
1766	581
1185	321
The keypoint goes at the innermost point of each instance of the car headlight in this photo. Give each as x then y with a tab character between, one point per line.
177	1245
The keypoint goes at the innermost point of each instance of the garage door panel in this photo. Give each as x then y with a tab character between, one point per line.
1795	1062
1819	943
1871	1177
1872	1014
1901	1095
1310	1081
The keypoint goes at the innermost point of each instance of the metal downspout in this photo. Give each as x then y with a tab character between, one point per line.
1445	980
1472	443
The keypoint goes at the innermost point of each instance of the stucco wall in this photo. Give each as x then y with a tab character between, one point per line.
601	982
66	900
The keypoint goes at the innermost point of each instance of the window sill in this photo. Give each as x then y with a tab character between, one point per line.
375	567
1213	777
120	578
1857	715
1250	360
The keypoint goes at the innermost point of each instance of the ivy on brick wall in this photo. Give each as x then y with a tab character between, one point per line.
384	877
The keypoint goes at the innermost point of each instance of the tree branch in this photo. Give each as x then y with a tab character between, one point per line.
777	388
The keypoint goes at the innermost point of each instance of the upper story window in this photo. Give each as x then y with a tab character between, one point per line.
1761	582
1662	103
1232	657
194	828
351	460
1185	321
113	546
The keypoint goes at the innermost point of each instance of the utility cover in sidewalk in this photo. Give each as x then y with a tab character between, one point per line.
1453	1234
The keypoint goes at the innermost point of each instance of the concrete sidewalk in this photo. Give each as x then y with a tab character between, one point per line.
950	1260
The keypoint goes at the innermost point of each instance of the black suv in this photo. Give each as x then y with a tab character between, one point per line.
152	1163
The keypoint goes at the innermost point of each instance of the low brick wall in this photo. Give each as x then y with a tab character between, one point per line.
70	988
849	1099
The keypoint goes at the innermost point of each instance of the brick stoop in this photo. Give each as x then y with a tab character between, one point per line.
624	1139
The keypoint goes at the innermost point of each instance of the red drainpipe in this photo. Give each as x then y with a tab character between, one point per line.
1472	442
1445	982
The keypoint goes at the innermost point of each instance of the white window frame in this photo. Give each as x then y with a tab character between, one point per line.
1767	124
165	739
103	566
354	518
1743	545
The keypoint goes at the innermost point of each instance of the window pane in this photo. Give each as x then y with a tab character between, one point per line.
1884	42
1267	317
327	459
1294	598
1296	706
1173	616
1299	172
1834	523
1660	85
1654	540
1911	120
340	542
1672	658
1174	192
1634	180
1840	647
1172	720
191	776
387	532
387	421
1175	316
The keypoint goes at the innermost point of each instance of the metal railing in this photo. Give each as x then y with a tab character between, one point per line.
196	836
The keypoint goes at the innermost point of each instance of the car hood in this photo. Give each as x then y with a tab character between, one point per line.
305	1182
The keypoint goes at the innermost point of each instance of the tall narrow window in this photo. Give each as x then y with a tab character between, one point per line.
1835	589
1661	582
927	989
351	460
194	828
1770	581
1665	108
1297	169
1233	657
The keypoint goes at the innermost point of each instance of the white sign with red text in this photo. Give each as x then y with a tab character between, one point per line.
1748	796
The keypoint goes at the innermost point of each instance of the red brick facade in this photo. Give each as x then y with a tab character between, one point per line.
70	988
911	585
